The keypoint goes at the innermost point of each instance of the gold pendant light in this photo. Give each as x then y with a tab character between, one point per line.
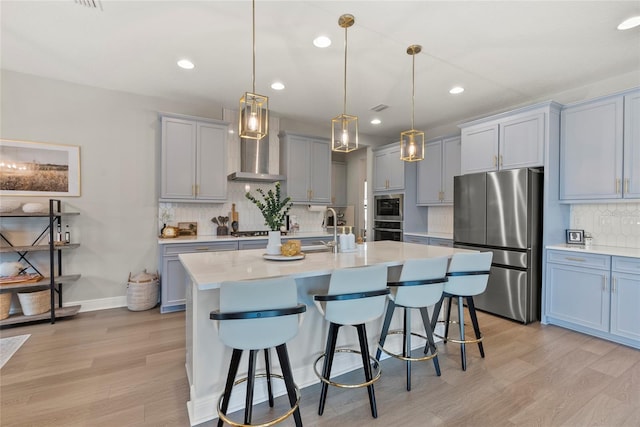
412	141
344	127
254	108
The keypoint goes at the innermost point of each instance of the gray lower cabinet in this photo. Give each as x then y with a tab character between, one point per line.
436	241
594	294
172	276
421	240
252	244
424	240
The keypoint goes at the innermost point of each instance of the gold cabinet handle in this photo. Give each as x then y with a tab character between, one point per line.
193	190
626	185
500	160
202	249
604	283
495	161
613	285
197	189
617	185
570	258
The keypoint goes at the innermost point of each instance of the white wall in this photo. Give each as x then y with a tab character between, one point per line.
119	136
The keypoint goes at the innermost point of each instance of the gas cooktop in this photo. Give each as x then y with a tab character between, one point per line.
253	233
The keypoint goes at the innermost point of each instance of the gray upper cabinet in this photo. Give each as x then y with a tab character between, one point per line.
338	184
507	141
600	149
193	160
388	169
306	161
435	173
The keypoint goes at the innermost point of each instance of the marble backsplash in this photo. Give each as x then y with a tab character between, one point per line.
249	216
610	224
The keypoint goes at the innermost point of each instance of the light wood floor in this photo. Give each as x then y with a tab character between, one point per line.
120	368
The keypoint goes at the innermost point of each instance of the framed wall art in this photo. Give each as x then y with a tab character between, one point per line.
39	169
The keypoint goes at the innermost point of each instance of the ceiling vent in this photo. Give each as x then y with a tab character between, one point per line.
94	4
379	107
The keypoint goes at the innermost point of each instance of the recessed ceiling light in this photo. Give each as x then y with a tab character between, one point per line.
322	42
375	122
186	64
627	24
277	86
456	90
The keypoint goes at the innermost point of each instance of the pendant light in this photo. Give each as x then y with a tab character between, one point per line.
412	141
254	108
344	127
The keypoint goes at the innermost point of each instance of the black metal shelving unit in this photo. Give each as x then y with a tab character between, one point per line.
55	277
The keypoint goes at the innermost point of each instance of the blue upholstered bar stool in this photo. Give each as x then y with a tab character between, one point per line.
257	315
355	296
420	285
468	275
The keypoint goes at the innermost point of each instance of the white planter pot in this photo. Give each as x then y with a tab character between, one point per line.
273	246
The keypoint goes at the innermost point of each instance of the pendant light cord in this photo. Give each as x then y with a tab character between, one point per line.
253	72
413	90
345	71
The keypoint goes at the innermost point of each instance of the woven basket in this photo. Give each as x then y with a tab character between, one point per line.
142	291
5	305
36	302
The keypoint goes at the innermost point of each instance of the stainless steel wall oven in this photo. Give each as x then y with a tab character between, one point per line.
388	217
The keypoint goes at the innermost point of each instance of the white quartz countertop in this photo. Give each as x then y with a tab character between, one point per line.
601	250
209	269
437	235
211	238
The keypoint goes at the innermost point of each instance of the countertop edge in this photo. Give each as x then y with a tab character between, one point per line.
598	250
214	239
436	235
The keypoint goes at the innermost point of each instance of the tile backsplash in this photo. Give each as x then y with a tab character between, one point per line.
249	216
440	219
610	224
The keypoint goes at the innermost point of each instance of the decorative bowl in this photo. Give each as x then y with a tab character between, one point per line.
33	208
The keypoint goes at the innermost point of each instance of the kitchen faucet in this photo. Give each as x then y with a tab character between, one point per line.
333	245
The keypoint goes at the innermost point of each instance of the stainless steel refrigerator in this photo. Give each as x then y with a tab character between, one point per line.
502	212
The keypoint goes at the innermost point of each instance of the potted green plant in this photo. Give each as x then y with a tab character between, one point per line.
274	211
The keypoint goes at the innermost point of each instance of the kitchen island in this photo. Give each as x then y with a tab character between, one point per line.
207	358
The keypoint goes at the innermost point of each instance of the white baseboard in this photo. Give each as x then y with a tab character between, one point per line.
99	304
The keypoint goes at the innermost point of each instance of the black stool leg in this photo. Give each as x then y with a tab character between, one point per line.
366	364
248	408
231	376
332	339
463	351
431	344
474	320
267	363
283	356
448	321
407	344
385	327
434	320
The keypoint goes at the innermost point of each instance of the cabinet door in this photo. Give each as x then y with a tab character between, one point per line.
252	244
395	169
298	187
178	158
451	151
479	151
591	150
338	184
429	175
435	241
380	177
632	146
415	239
211	169
173	284
522	142
625	296
578	295
319	168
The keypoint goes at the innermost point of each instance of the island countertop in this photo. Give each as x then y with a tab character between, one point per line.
208	269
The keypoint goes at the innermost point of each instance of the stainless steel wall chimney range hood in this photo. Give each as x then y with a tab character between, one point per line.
254	162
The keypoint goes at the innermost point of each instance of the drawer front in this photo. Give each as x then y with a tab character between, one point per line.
415	239
626	265
175	249
434	241
252	244
602	262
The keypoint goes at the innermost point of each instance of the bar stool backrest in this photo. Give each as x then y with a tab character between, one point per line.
468	285
260	333
420	295
352	280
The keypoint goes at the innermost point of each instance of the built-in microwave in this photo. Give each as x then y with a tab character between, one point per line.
388	207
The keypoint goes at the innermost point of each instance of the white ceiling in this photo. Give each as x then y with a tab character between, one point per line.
505	53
